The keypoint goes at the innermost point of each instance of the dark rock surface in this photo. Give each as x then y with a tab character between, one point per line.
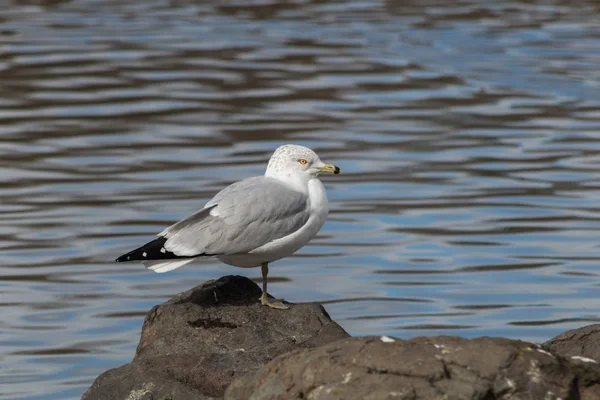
442	367
577	344
199	342
195	344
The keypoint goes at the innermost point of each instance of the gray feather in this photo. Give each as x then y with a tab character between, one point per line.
247	214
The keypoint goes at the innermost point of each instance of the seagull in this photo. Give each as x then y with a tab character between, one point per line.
250	223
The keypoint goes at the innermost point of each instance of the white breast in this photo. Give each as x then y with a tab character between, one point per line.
287	245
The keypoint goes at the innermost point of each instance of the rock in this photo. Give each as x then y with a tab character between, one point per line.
195	344
442	367
578	344
217	335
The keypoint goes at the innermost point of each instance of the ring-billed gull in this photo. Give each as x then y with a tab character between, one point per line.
251	222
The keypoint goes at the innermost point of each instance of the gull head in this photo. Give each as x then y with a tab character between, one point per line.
299	162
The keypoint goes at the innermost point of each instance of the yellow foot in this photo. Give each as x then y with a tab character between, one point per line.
273	303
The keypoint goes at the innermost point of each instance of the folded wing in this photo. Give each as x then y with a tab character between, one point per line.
242	217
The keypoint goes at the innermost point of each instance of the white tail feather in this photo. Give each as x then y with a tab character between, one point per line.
160	266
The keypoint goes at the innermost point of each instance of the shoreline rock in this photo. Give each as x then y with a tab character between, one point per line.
196	343
216	341
578	343
439	367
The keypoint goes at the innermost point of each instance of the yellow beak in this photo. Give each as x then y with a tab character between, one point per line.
330	168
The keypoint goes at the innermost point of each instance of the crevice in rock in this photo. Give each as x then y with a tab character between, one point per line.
210	323
574	390
489	395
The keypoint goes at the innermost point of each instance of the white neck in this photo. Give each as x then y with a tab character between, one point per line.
298	182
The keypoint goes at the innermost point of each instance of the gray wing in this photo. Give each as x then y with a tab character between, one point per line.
239	219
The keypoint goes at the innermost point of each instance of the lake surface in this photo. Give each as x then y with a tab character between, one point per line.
468	133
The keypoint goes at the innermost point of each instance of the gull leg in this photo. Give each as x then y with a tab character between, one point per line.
263	298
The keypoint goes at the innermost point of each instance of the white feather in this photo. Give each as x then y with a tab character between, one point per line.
161	266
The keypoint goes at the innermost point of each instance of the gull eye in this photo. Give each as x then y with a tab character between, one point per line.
303	161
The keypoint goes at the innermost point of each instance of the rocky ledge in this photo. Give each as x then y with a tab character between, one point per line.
196	343
216	341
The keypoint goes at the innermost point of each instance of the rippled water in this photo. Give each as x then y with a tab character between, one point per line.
468	133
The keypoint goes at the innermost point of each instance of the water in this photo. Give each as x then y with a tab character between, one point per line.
468	134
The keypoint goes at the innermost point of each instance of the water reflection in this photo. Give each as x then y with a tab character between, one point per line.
467	133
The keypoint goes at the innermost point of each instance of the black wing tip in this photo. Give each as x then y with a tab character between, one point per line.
152	250
128	256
